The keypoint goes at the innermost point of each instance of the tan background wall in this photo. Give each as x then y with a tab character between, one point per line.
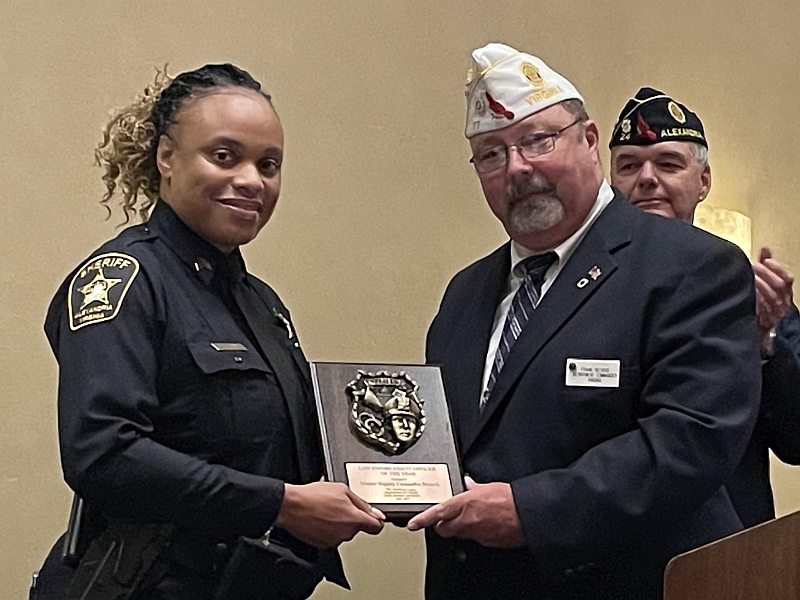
379	206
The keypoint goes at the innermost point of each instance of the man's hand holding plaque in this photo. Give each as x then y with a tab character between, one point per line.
485	513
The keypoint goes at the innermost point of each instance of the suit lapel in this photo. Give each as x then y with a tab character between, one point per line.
589	267
470	340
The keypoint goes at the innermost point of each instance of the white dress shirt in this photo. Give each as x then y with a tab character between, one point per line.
518	253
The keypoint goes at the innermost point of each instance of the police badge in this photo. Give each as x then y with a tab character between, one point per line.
385	410
386	433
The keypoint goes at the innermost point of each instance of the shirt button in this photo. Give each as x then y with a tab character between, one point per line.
461	555
237	359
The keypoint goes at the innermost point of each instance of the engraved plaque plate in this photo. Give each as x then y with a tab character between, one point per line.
387	434
399	483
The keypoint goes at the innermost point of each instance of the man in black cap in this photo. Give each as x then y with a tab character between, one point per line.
659	160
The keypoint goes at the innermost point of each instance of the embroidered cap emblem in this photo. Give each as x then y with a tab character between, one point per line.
676	112
498	110
532	74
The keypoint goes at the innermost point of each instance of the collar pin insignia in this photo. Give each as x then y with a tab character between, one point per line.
595	272
278	315
202	263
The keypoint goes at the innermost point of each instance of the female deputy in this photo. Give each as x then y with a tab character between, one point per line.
185	416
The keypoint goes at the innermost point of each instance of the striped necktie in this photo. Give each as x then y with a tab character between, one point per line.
522	307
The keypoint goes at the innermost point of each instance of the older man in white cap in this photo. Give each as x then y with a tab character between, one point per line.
601	367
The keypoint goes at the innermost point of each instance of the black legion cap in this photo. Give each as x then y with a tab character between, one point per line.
651	117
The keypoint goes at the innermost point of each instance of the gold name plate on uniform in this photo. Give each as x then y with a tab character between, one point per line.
387	434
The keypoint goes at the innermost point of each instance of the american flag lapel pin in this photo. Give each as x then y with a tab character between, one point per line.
594	273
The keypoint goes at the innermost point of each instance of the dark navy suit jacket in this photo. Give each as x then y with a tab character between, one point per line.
777	428
609	483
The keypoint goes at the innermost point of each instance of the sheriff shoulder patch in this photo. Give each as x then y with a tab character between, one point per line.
99	287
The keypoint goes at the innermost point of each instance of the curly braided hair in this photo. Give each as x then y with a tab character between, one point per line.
127	153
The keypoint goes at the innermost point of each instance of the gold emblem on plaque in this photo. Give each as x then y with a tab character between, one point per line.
385	410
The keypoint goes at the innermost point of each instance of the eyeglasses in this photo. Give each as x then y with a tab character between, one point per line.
529	147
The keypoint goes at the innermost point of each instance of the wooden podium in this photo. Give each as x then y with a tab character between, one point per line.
762	563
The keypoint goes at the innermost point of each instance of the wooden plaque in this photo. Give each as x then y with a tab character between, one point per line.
387	434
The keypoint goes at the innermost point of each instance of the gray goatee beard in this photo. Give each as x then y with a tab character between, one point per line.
531	214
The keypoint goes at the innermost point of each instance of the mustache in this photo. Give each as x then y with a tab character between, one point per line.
525	185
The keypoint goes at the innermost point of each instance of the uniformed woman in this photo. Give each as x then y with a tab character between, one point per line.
185	415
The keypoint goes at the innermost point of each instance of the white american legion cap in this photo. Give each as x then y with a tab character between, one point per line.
505	86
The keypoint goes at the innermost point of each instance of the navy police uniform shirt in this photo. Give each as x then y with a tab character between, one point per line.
169	411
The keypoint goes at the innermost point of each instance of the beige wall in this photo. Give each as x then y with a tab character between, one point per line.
379	206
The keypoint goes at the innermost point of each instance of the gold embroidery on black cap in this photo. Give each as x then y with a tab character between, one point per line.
676	112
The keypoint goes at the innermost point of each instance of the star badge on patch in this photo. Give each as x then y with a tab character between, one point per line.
98	288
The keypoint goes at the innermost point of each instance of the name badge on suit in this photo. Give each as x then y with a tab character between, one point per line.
582	372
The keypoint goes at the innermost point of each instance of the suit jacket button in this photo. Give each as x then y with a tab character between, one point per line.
461	555
569	572
580	569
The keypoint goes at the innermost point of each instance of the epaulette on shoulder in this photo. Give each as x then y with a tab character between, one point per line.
135	233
